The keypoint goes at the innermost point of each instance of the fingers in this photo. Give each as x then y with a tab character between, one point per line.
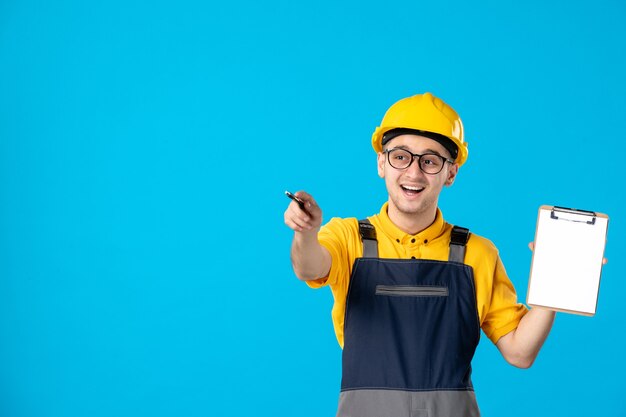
305	220
310	205
297	219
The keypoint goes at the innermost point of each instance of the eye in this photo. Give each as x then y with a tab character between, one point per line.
431	160
399	155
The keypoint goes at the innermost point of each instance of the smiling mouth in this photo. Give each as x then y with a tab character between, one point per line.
411	190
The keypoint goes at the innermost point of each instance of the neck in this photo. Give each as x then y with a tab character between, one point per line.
411	223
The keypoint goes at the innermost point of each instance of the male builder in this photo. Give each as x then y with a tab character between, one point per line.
412	291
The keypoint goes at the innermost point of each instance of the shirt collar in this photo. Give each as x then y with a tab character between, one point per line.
433	231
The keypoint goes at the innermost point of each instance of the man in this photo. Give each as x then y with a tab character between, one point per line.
411	291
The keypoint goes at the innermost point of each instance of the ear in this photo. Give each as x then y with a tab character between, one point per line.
452	172
381	164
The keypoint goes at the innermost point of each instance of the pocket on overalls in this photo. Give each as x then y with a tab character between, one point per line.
411	291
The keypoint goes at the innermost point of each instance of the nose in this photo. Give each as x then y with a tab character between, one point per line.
414	170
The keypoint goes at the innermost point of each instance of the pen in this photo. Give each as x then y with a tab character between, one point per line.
296	199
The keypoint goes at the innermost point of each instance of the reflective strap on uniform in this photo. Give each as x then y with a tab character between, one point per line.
458	239
368	237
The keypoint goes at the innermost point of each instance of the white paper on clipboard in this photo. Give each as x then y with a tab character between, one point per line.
567	260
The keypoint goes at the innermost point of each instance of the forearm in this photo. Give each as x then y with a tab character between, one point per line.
309	259
533	330
521	347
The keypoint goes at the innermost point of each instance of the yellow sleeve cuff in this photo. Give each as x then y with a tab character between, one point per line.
495	334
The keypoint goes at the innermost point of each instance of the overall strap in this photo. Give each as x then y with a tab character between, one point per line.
368	237
458	239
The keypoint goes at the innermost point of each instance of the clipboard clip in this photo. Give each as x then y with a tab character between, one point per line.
576	212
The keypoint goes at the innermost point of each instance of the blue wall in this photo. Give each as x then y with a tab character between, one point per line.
145	147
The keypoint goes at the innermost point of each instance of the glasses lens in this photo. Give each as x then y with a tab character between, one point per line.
399	158
431	164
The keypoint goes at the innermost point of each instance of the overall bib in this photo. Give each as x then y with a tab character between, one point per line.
410	332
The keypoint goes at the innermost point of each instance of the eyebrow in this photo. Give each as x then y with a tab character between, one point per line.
426	151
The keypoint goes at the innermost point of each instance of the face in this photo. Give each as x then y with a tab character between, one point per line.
411	191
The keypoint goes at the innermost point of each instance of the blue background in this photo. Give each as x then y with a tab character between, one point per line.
145	148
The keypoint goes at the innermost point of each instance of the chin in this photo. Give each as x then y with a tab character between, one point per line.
411	209
416	207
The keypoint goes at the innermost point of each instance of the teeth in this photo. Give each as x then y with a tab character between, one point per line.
412	188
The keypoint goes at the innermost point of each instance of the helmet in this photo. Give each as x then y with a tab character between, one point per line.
426	113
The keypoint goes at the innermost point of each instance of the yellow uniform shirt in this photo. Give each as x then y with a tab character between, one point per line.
498	309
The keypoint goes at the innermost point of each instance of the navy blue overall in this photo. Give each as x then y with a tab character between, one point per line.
410	332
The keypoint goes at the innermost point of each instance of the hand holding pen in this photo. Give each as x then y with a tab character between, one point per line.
303	214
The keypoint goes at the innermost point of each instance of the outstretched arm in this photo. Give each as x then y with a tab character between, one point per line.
309	259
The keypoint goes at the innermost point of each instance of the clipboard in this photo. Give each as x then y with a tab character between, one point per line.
567	260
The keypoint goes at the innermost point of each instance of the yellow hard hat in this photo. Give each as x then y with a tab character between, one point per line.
428	115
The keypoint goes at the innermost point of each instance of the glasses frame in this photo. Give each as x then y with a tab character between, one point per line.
419	157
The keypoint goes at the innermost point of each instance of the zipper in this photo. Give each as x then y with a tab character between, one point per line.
411	291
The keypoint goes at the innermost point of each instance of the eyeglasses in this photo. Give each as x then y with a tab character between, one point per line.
429	163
